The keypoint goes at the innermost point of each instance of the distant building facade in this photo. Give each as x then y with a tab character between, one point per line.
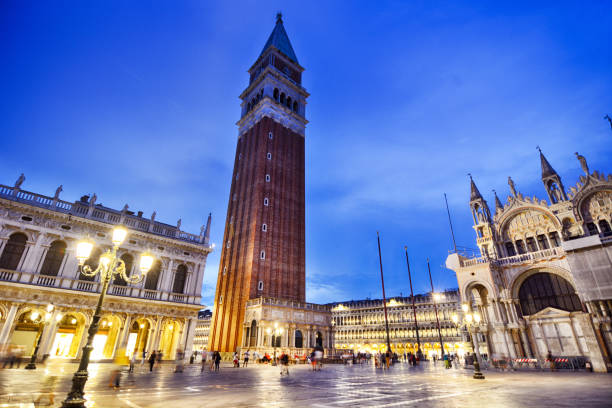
544	279
359	325
286	326
263	252
202	331
38	237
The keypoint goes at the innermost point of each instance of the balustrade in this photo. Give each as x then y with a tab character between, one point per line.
89	286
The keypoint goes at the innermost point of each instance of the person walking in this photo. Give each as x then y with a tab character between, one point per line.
235	360
217	360
132	362
551	360
48	389
152	359
284	364
246	359
144	357
204	354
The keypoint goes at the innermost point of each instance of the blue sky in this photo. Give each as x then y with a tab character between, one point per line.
137	102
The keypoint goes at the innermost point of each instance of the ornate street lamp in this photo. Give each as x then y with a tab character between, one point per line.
36	317
471	320
109	266
277	332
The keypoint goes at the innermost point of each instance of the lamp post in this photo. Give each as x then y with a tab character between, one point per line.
277	332
45	320
109	266
471	320
435	298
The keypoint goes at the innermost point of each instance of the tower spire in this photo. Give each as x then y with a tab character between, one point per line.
498	204
280	40
474	193
552	180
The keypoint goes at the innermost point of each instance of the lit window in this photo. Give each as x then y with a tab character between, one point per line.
221	299
270	135
262	255
228	244
266	201
260	285
239	156
234	197
224	270
267	177
264	227
269	156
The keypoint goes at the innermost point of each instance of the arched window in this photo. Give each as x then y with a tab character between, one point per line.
128	260
319	339
179	279
13	250
153	276
299	339
54	258
543	290
276	340
289	100
282	99
248	107
253	334
276	94
295	106
604	227
93	261
592	228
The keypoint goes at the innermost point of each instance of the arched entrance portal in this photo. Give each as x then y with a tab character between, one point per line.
70	330
169	339
106	338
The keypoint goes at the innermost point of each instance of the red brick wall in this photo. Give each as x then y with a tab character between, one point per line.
283	270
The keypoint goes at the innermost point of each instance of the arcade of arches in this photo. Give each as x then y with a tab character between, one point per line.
64	331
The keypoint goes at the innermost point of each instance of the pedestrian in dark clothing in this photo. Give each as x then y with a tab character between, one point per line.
152	359
217	360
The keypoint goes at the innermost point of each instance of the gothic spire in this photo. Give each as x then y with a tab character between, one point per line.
474	193
280	40
498	204
547	169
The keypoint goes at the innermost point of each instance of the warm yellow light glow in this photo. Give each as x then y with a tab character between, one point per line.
105	260
170	327
50	308
119	234
58	317
34	315
73	321
437	297
275	325
142	325
468	318
280	331
47	317
83	250
455	318
477	317
268	330
146	262
465	307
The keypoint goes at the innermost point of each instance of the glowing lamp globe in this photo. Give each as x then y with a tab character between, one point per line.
146	262
465	307
83	250
468	318
119	234
477	317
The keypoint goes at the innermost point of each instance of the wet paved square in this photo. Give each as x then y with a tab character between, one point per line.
336	386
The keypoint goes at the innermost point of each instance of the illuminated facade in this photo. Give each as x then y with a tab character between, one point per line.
359	325
289	326
543	281
202	331
38	237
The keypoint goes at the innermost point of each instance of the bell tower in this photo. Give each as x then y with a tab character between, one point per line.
263	251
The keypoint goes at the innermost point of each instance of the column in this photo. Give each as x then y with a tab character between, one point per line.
84	337
510	350
526	344
49	333
8	323
32	255
191	325
124	333
157	336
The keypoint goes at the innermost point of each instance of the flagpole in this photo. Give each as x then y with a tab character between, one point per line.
416	324
382	280
435	308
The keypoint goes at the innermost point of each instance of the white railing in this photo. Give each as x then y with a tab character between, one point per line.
516	259
62	282
82	209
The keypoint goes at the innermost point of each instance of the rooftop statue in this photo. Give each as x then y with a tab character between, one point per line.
512	187
583	163
19	181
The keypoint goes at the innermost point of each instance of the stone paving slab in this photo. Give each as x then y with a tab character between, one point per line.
335	386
